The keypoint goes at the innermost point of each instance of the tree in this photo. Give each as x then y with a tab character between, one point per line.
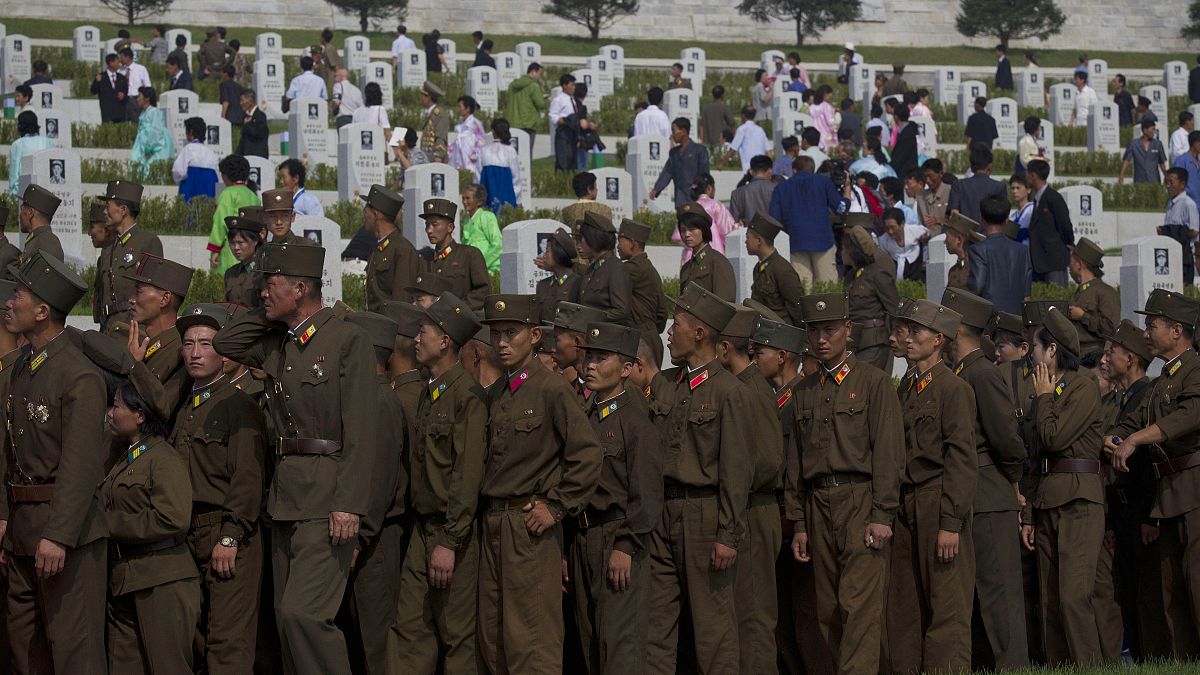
1009	19
1191	31
594	15
372	10
133	10
811	16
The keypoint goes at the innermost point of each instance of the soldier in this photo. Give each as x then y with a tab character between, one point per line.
440	572
1068	495
220	432
54	542
38	206
112	288
543	463
393	265
849	472
648	308
1168	423
8	252
559	260
898	336
1006	334
1136	571
609	553
242	283
405	377
1095	307
460	264
961	232
605	284
436	127
319	375
707	268
481	361
871	288
159	290
278	215
1000	454
570	327
707	478
776	283
426	289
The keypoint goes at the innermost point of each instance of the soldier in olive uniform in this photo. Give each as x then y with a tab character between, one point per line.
707	268
460	264
559	260
961	232
154	340
844	499
435	624
871	287
1168	423
436	126
1001	454
112	288
38	206
1006	330
319	373
405	376
776	283
605	284
393	265
1095	307
543	463
570	328
609	552
707	478
1068	494
54	534
8	252
279	215
243	285
648	311
426	288
97	225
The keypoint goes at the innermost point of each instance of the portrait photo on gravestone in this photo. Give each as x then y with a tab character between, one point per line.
1162	261
368	140
58	171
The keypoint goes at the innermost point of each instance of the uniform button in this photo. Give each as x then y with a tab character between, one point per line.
288	368
287	397
826	419
827	399
20	432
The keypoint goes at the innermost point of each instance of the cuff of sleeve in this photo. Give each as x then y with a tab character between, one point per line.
229	529
214	248
882	517
625	546
950	524
728	539
799	526
556	509
1027	514
441	537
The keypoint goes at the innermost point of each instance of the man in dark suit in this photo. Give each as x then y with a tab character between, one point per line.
1003	69
966	194
254	128
1000	269
41	74
904	154
110	87
1194	83
179	78
1050	229
852	120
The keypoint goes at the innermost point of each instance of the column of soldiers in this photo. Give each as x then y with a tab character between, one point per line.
414	489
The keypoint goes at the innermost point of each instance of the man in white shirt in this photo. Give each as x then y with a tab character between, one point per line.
346	97
749	140
1084	100
562	106
402	43
810	145
653	120
138	77
307	84
1179	139
846	61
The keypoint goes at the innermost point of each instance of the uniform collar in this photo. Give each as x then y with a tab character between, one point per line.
39	358
516	379
439	385
163	339
201	394
967	360
307	328
840	370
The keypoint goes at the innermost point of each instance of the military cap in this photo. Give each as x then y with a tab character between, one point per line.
1009	323
546	344
428	284
51	280
741	324
1033	312
705	306
41	200
435	92
863	220
566	241
292	260
599	221
385	201
695	214
975	311
1132	339
762	309
243	224
1089	252
611	337
212	314
380	329
484	335
933	316
631	229
6	290
277	200
162	273
454	318
316	49
575	317
511	307
96	213
861	239
439	207
124	190
771	333
406	315
765	226
965	226
899	310
1062	330
1174	306
254	214
825	307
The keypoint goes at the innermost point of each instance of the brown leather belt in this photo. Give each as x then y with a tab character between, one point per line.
870	323
30	494
1049	466
590	517
119	551
207	519
308	446
763	499
1176	464
828	480
986	459
678	491
512	503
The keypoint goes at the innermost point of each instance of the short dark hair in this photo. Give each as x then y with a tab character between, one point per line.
295	168
1194	136
981	101
39	66
994	210
235	45
790	142
1180	174
718	91
1039	168
306	63
195	126
126	51
1120	78
748	112
174	60
1003	49
760	163
27	123
933	164
1063	359
1016	179
235	167
901	113
477	34
533	67
402	29
677	65
373	94
583	182
232	73
1185	117
181	40
804	164
565	79
1148	124
327	35
486	44
892	187
25	90
110	58
915	173
981	158
152	424
811	135
654	95
847	104
894	214
150	95
1082	76
1032	123
683	123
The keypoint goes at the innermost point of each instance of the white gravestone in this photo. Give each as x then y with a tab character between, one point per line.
644	160
530	52
361	148
520	143
790	101
86	44
967	93
483	86
1148	263
380	72
938	266
524	241
267	46
449	54
693	53
1045	141
262	172
1175	77
356	52
1004	111
1031	89
743	263
1103	133
614	189
862	79
780	85
508	68
1088	218
421	182
1062	103
588	78
681	102
1098	75
945	85
177	106
1195	110
788	123
218	135
616	59
187	35
766	59
15	63
1158	104
602	68
328	235
308	131
269	86
927	131
46	97
695	73
58	170
55	125
410	73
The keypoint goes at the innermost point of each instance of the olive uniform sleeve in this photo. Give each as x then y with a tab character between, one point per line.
735	468
358	396
1185	418
481	284
1100	317
581	455
724	282
170	510
960	465
81	465
469	437
246	457
993	400
1061	420
248	338
620	292
886	428
643	467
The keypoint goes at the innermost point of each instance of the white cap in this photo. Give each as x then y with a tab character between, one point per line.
849	45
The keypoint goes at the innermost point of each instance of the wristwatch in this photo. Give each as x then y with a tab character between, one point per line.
228	542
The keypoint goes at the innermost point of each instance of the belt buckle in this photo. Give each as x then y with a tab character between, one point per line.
279	446
116	550
1044	467
584	521
1154	467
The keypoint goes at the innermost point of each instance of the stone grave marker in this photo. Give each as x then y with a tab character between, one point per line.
1148	263
449	54
86	44
862	79
218	135
15	63
616	60
1004	111
938	266
508	68
524	241
308	131
788	123
356	52
1088	218
327	234
588	77
945	86
1045	141
410	73
58	170
1098	76
421	182
46	97
1103	134
681	102
1175	77
789	101
110	47
601	69
270	86
55	124
1031	88
743	263
693	53
1062	103
170	36
644	160
614	188
266	46
968	91
177	106
694	72
766	59
380	72
1158	105
529	53
361	148
927	131
483	85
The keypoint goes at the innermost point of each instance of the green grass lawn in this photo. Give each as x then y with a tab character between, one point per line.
1160	668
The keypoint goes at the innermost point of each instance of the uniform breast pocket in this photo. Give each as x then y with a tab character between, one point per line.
437	436
614	449
702	418
316	376
214	431
528	424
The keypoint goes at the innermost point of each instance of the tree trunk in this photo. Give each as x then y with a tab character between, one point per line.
131	9
362	18
1004	39
799	30
594	23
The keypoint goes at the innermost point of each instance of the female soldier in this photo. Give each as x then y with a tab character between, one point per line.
708	268
242	285
605	284
559	260
871	285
